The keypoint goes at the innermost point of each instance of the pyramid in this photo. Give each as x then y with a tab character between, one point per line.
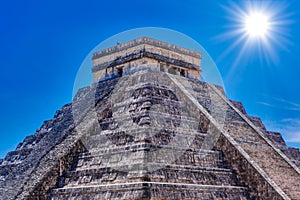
148	128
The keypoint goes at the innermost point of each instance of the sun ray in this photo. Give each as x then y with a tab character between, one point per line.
259	28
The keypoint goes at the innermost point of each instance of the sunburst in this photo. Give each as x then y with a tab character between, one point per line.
256	28
257	24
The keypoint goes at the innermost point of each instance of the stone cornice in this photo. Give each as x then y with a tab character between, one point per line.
144	53
149	41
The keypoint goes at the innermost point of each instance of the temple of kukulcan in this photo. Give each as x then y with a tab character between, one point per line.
149	128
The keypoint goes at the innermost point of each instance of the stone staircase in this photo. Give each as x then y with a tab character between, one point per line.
151	135
201	178
149	146
142	133
270	162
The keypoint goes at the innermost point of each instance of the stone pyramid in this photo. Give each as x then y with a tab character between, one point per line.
148	128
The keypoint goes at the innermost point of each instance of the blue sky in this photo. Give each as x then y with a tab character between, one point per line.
43	44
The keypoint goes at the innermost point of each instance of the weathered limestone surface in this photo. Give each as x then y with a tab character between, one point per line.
276	166
20	164
127	57
275	137
147	134
127	163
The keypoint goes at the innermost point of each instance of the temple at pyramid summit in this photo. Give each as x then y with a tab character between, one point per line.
149	128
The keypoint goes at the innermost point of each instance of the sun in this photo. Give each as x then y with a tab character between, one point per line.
256	24
258	29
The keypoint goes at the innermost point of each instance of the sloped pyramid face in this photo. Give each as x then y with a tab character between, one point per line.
149	134
149	147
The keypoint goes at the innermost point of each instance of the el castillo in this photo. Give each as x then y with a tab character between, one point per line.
149	128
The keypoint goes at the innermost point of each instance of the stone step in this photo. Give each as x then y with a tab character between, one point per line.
277	169
152	99
160	173
159	166
149	130
16	156
149	84
148	119
146	145
128	116
147	153
138	190
110	141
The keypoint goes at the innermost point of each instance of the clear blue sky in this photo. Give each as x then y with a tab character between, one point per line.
43	44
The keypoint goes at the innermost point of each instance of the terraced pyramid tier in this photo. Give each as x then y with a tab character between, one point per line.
146	142
149	129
